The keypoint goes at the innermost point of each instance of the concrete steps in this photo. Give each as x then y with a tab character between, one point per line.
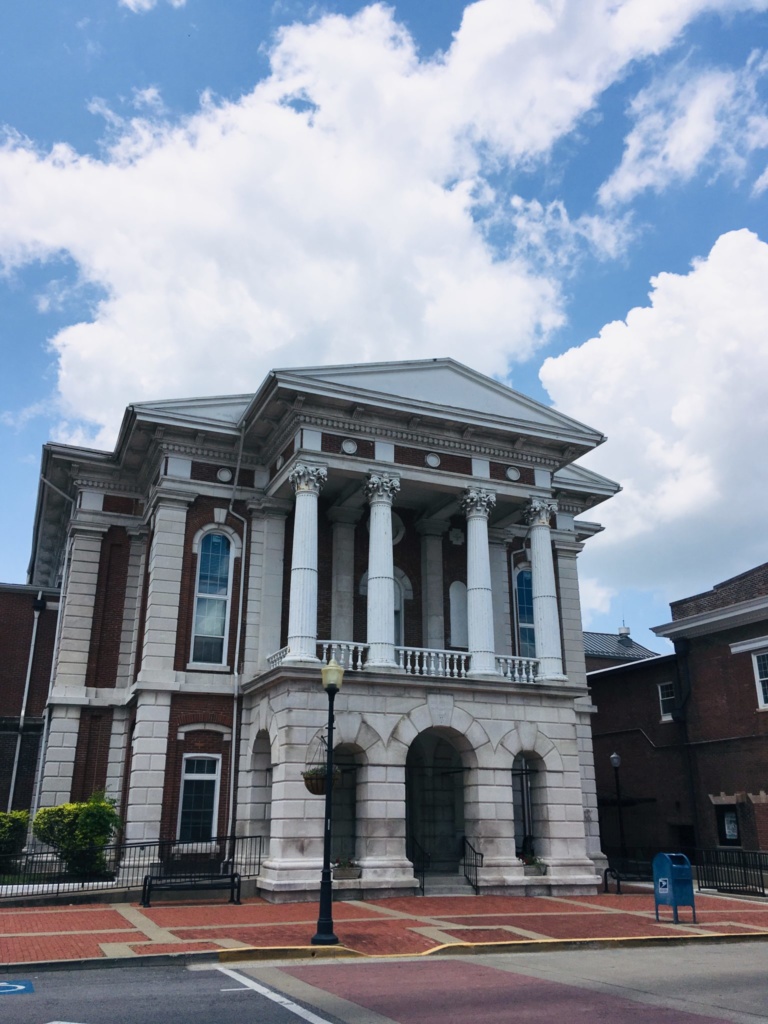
447	885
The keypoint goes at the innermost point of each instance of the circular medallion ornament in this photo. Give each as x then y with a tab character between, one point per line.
224	475
348	446
513	473
432	460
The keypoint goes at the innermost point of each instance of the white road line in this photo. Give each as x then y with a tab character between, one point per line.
276	997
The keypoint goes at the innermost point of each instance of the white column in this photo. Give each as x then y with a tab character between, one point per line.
307	482
380	491
476	504
343	571
432	613
546	619
148	757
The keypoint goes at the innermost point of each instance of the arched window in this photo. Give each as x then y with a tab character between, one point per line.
526	636
212	595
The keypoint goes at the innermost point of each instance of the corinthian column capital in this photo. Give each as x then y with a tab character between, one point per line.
307	478
477	501
381	487
539	511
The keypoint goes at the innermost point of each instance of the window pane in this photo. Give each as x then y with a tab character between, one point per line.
208	649
527	642
667	698
525	596
210	616
200	766
197	802
213	577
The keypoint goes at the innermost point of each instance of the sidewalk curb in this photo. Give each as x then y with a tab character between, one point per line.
262	953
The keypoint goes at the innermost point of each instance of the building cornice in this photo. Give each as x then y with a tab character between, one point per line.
742	614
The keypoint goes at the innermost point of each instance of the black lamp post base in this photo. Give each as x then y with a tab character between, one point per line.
324	939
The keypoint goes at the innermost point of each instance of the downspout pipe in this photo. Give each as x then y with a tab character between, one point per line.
38	606
238	642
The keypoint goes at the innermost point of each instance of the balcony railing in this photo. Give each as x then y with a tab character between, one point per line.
417	661
422	661
517	670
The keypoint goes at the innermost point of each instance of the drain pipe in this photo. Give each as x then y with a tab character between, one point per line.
38	606
238	640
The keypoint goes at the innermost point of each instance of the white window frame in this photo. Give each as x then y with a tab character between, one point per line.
757	647
216	793
234	551
666	716
761	681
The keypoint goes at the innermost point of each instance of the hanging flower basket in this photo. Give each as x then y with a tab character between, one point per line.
315	779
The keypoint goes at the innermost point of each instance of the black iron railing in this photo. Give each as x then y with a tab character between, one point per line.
473	860
742	872
43	872
420	859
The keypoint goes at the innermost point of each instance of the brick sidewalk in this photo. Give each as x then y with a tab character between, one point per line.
408	925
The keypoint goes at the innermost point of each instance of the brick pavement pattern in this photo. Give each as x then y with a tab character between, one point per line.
407	925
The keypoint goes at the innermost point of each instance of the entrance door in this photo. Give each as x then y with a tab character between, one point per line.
435	802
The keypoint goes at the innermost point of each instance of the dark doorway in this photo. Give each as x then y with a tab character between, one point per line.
434	776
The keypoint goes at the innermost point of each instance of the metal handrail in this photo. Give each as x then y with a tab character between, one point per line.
742	872
473	860
420	858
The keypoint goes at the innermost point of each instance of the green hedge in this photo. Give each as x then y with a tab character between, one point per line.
13	832
79	832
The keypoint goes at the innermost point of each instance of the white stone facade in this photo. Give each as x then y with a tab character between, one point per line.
417	521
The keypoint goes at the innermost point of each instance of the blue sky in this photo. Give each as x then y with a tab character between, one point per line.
569	195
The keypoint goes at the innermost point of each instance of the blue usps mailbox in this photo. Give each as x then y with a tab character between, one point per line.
673	883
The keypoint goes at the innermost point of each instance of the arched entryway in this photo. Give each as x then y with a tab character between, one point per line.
434	795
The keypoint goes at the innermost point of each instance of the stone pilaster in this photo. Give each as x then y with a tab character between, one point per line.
77	611
148	759
546	619
380	490
56	784
476	503
500	584
307	482
164	589
343	571
118	743
265	583
129	638
432	614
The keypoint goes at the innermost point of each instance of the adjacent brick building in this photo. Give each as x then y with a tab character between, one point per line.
417	521
691	727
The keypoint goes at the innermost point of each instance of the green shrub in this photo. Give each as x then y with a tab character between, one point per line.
79	832
13	835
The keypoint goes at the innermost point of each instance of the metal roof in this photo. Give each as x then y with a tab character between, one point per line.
613	645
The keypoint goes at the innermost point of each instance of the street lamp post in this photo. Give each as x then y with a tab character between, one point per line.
332	675
616	764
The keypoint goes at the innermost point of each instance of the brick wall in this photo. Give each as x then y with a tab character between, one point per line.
92	752
17	619
195	709
745	587
454	568
108	609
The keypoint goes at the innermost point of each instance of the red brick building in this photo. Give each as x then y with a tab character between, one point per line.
691	727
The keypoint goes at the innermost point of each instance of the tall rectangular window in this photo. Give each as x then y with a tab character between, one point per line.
666	700
199	799
211	600
526	634
761	677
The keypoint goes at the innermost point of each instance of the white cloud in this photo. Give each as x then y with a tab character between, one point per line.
549	235
595	597
332	214
685	123
677	389
141	6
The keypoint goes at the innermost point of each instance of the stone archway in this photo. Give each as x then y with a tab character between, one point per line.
434	775
344	829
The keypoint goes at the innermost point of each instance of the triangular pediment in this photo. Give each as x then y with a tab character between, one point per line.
220	410
442	387
579	480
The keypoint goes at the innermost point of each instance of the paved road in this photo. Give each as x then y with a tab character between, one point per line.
681	985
